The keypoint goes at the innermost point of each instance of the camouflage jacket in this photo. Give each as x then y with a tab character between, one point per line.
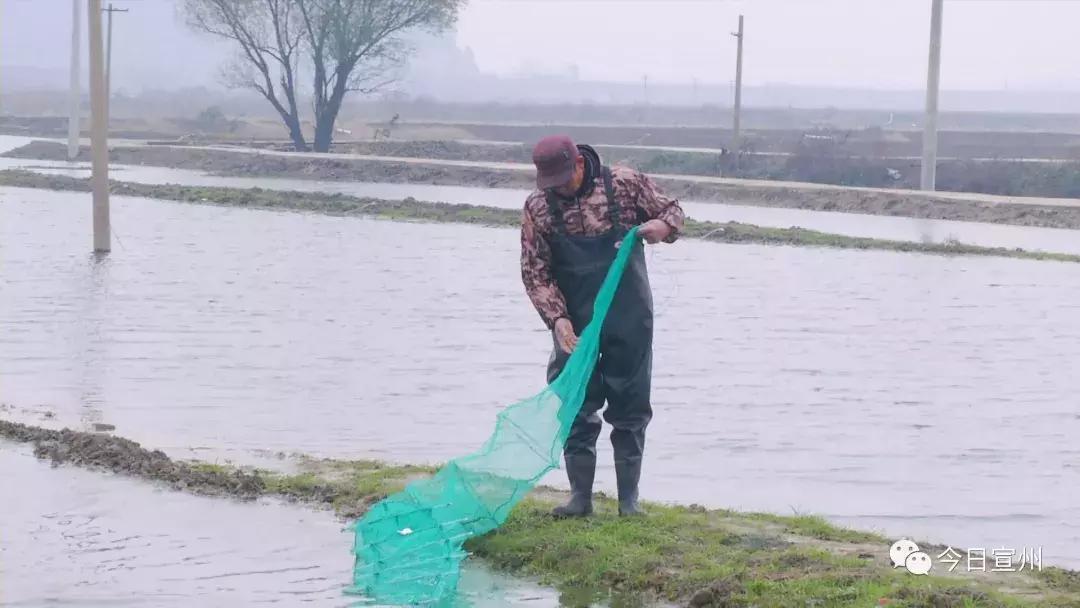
638	199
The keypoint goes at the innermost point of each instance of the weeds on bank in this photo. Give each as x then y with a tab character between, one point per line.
412	210
689	555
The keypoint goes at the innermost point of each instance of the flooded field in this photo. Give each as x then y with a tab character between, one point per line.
79	538
848	224
910	394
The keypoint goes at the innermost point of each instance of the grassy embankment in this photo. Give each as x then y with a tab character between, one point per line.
413	210
688	555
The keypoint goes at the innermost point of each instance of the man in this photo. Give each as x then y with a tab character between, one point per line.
570	230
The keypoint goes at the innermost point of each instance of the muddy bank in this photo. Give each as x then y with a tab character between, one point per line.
57	126
224	162
963	138
651	161
840	164
914	205
444	150
125	457
349	487
411	209
710	557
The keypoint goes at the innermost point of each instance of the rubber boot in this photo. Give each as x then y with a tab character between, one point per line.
627	475
580	469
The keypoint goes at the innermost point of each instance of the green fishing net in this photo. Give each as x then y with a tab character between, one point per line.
408	547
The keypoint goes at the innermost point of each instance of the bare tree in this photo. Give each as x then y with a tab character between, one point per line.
351	45
269	35
354	42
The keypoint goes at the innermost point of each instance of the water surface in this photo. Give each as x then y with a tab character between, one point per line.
908	393
73	537
848	224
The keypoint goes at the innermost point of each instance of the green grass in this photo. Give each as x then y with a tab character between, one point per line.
687	555
683	554
412	210
211	468
813	526
301	485
350	487
1058	578
723	558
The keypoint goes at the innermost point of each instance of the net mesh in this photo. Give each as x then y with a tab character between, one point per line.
408	547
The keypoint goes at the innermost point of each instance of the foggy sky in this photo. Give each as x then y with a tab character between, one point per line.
988	44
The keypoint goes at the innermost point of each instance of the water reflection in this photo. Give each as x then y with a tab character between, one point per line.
89	348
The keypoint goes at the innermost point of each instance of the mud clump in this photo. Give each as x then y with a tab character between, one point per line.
126	457
105	452
948	598
720	594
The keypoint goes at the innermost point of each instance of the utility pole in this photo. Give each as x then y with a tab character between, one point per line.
933	76
75	93
99	132
736	134
108	52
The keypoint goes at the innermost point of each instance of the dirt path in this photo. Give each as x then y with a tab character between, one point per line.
221	160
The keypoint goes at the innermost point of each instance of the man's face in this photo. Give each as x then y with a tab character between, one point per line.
569	188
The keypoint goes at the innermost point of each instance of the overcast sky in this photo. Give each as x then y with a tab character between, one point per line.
989	44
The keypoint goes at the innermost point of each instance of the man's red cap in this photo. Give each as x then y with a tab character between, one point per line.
554	157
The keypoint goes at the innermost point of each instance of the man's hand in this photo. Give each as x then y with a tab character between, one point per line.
654	231
564	335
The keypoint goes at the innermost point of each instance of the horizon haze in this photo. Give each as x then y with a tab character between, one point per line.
1004	55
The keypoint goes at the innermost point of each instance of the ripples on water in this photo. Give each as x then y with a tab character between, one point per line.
917	394
74	537
77	538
